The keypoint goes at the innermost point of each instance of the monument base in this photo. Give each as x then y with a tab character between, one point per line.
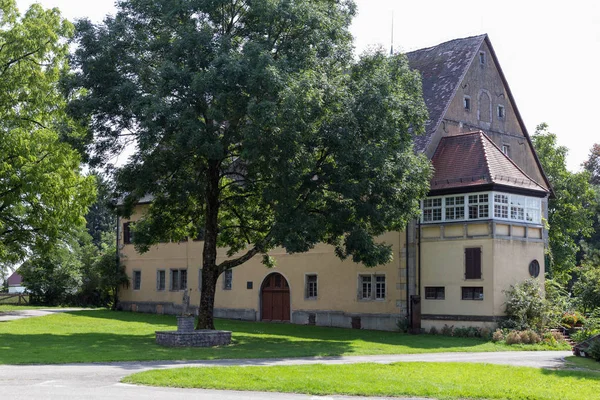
199	338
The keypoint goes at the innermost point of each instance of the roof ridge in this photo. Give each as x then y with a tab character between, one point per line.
483	35
484	135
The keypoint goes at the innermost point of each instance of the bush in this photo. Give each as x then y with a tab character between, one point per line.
498	336
549	339
533	337
433	331
594	350
485	333
558	336
524	336
403	324
447	330
513	337
526	306
571	319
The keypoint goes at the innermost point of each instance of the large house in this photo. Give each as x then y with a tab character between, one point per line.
481	228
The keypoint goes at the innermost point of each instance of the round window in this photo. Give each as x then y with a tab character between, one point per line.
534	268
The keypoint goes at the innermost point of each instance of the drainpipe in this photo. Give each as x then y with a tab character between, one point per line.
407	277
118	263
419	246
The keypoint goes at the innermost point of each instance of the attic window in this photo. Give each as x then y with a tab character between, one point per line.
467	103
482	58
501	112
505	149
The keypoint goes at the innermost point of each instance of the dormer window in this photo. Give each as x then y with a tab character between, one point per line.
482	58
467	103
500	112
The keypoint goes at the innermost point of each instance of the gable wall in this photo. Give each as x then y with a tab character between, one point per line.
484	86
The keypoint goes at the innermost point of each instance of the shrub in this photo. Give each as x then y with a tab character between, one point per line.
513	337
594	350
461	332
447	330
533	337
403	324
549	339
526	306
558	336
433	330
524	336
485	332
498	336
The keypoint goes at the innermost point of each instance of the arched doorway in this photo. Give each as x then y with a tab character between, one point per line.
275	294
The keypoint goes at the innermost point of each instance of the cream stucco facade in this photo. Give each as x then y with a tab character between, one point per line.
429	258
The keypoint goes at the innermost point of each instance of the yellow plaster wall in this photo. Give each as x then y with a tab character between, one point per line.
444	263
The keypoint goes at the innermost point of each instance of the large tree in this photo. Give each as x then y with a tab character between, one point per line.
570	210
42	194
253	126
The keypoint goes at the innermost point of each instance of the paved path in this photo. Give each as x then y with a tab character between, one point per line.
19	314
101	381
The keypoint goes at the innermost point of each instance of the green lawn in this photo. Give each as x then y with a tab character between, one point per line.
101	335
438	380
582	363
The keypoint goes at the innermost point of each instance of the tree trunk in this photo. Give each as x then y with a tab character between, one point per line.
210	270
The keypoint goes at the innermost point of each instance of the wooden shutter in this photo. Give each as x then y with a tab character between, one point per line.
473	263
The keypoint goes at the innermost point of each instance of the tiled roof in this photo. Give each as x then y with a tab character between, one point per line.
472	159
442	68
14	280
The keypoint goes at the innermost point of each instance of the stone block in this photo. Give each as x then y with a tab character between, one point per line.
199	338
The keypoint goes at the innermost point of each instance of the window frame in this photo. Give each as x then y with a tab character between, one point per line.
158	280
482	58
436	291
473	291
228	279
311	288
180	272
372	287
137	279
501	111
467	105
127	234
530	209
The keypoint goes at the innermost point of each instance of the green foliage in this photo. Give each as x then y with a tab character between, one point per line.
590	328
526	307
587	288
594	350
570	211
592	164
43	195
255	125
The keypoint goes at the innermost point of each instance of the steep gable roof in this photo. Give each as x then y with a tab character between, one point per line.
472	160
442	68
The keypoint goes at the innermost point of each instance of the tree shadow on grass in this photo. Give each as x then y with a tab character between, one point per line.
316	336
108	347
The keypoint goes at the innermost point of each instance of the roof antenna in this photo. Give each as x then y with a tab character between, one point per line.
392	47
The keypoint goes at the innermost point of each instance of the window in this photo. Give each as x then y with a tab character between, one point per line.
500	206
478	206
473	263
160	279
517	207
178	279
365	284
505	149
482	58
534	268
311	287
432	209
472	293
467	103
127	234
371	287
227	279
455	208
137	280
380	287
500	110
435	292
532	210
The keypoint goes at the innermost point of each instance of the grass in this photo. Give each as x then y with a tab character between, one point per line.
582	363
102	336
15	307
438	380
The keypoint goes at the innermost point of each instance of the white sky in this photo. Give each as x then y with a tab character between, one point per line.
549	51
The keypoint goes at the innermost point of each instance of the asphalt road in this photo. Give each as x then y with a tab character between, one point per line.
20	314
101	381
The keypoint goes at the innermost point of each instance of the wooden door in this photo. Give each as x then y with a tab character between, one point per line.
275	293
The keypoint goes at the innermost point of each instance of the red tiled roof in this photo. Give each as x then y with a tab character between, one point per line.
472	159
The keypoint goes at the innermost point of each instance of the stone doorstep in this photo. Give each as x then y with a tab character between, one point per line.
198	338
